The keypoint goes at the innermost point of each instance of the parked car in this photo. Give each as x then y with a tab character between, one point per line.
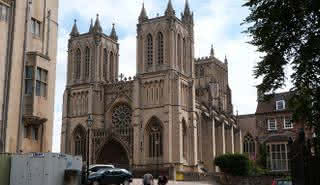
282	182
96	167
110	176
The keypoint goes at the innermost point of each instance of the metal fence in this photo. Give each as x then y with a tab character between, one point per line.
305	161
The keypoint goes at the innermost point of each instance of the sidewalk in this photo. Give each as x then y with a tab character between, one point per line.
139	182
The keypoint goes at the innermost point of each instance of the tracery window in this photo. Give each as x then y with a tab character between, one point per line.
105	60
179	51
77	64
184	137
87	67
121	119
111	66
149	50
155	138
80	142
160	48
249	145
184	55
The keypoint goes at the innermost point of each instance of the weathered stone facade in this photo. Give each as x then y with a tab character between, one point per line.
174	115
28	52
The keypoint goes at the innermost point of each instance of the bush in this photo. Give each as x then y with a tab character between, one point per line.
233	164
256	170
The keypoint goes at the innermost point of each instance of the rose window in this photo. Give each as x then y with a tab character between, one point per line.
121	116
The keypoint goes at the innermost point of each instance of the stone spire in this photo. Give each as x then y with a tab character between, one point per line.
143	14
97	27
187	16
91	26
74	32
187	8
170	11
225	60
113	33
212	51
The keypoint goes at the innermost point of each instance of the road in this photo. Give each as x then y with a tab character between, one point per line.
139	182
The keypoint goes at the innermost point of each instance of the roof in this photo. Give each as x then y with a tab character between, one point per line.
269	105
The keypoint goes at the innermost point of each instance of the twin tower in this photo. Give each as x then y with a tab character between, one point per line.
165	118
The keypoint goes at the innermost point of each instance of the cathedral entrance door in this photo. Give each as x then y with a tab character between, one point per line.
114	153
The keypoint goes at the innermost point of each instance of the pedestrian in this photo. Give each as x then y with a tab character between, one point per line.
162	180
148	179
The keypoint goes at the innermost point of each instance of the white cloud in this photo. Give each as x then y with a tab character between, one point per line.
216	22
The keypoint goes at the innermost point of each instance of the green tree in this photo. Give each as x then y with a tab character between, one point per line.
287	33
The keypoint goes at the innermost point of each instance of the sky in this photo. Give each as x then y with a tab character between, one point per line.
216	22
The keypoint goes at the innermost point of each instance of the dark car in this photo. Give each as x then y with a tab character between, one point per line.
110	176
282	182
96	167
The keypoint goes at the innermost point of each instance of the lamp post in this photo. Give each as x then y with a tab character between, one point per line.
89	124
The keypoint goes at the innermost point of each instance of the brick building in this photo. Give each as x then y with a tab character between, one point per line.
271	125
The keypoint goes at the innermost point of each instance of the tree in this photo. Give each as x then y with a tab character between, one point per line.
287	32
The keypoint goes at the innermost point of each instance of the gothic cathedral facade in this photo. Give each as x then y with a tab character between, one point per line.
173	117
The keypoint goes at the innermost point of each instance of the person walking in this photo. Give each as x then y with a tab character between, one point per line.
148	179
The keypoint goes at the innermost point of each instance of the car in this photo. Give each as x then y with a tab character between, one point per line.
96	167
282	182
110	176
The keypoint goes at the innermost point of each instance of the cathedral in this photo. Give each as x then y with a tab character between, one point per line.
173	118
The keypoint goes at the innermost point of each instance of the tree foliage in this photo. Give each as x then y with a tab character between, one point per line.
233	164
287	32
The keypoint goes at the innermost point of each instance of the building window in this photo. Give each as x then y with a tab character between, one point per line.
201	71
121	119
41	82
112	75
160	48
4	13
34	133
77	65
184	138
87	63
105	61
35	27
287	123
184	55
29	80
179	51
280	105
277	158
249	146
80	142
149	50
155	138
272	124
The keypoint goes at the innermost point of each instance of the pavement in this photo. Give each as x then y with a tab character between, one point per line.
139	182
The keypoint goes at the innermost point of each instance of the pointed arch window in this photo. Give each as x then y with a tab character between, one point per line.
80	142
155	137
160	48
184	138
77	64
112	66
105	62
184	54
149	50
179	51
249	145
87	63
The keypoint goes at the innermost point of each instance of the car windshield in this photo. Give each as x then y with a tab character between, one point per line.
101	171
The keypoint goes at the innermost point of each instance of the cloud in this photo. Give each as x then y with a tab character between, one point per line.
216	22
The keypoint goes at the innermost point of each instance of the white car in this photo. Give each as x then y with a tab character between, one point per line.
96	167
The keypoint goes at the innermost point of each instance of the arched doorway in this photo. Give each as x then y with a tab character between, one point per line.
114	153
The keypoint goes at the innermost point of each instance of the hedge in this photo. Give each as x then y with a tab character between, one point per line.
233	164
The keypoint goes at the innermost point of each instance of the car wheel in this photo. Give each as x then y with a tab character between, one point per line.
95	183
126	182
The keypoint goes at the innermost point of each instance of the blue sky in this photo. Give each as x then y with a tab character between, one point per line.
217	22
